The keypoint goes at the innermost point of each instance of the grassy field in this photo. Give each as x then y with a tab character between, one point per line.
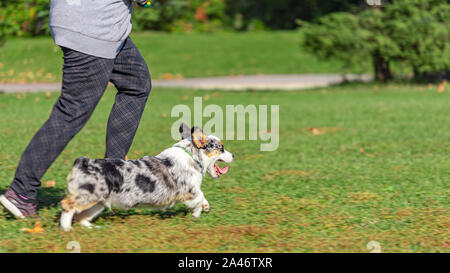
176	55
376	168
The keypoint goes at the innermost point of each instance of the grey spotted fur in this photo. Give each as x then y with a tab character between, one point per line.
162	181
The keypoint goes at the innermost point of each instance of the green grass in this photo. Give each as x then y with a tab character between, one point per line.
176	55
316	193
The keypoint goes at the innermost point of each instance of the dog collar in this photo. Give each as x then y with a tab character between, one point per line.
189	153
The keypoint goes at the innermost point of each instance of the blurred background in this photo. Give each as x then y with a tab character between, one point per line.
384	38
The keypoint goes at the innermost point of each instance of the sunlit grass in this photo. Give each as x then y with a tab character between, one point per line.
377	171
172	56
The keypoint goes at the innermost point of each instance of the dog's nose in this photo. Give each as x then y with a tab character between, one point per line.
232	155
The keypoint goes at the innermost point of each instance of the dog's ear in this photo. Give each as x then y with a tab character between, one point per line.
185	131
198	137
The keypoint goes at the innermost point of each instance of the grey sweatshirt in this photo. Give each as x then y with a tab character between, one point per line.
94	27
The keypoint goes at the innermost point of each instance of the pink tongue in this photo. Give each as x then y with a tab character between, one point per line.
221	171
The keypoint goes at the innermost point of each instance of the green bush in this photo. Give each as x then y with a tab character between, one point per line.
2	31
412	32
25	18
182	16
421	30
338	36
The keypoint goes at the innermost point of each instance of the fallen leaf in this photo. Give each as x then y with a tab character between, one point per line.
364	153
167	76
48	95
37	228
315	131
126	157
320	130
50	184
441	87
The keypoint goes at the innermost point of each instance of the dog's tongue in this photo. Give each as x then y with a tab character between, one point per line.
219	170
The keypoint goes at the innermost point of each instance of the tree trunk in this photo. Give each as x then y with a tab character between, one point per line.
381	66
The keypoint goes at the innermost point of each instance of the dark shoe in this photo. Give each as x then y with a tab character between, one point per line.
18	206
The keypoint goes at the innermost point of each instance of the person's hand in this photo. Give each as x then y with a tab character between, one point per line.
144	3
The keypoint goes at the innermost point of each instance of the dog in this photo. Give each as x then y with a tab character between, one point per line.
174	175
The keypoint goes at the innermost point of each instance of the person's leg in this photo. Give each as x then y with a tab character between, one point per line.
132	80
85	78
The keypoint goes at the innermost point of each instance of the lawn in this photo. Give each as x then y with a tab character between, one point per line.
375	168
176	55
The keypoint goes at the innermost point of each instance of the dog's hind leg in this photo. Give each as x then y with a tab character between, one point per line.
85	217
71	205
68	210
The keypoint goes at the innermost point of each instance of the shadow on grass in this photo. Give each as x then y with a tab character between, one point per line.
50	197
47	197
160	213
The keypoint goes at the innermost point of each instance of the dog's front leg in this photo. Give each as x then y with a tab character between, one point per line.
196	203
205	205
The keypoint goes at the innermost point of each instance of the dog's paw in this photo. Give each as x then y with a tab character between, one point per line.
88	224
206	207
196	214
67	229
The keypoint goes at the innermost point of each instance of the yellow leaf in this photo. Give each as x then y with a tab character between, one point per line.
364	153
315	131
167	76
50	184
37	228
441	87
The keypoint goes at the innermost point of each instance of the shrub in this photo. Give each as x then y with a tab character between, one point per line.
25	18
182	16
415	32
421	30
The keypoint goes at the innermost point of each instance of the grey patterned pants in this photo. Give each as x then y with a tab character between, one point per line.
85	79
